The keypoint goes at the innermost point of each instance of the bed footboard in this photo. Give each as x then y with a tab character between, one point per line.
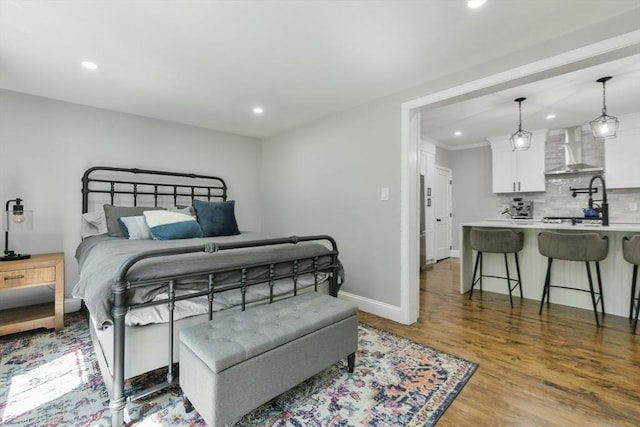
121	304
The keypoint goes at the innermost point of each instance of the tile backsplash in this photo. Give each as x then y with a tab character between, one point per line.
557	199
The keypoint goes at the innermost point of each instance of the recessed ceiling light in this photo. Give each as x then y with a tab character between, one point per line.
90	65
473	4
457	133
258	110
551	116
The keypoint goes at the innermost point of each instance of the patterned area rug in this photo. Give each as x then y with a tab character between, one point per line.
53	379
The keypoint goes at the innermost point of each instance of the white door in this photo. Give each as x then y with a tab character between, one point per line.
442	205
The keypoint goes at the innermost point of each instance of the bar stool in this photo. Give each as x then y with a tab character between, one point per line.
631	253
583	247
497	241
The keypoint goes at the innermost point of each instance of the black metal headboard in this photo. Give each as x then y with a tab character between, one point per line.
130	186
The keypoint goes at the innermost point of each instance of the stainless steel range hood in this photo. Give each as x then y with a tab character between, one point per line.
573	155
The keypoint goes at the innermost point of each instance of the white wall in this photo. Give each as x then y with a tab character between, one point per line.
473	197
326	178
444	157
46	145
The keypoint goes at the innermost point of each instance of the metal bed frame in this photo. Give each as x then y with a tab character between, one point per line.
155	185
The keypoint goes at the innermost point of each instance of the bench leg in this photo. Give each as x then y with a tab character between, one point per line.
188	406
351	362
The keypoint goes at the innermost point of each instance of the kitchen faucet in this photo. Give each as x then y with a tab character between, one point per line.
604	207
508	212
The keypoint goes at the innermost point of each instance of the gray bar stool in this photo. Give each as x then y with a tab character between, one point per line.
631	253
497	241
583	247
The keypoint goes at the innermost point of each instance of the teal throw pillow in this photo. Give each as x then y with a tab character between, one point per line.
216	218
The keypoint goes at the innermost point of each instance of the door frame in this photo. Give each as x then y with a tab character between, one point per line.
596	53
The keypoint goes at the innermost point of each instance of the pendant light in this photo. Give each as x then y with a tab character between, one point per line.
521	140
604	126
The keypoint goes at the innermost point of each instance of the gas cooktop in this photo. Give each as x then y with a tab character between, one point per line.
571	220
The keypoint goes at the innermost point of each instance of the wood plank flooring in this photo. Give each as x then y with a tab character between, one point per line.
554	369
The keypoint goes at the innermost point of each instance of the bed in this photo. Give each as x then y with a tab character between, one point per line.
145	275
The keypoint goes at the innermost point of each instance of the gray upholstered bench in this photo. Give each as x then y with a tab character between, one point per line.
242	359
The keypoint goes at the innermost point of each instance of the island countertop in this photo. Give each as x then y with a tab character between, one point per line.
632	227
616	272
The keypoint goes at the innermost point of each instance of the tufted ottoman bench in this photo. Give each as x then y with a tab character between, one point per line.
242	359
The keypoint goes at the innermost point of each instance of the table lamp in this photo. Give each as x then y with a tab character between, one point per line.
16	219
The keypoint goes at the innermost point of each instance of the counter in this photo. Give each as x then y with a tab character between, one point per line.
616	272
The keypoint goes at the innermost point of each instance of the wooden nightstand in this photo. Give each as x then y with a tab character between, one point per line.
39	270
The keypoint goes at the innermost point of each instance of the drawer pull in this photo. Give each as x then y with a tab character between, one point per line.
14	277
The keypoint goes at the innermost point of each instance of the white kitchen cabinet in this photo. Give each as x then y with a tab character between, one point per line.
621	155
518	171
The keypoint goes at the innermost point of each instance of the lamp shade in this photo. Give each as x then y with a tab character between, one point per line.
604	126
18	222
521	140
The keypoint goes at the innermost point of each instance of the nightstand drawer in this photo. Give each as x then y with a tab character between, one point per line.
10	279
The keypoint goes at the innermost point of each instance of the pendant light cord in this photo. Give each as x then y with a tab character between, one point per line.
604	99
520	116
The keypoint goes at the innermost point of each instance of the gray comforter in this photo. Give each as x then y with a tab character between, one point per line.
100	257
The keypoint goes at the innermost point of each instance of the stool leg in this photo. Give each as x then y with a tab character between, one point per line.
635	297
635	322
634	278
518	271
545	290
600	288
481	262
475	269
506	267
593	297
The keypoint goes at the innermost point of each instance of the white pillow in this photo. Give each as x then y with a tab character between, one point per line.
136	227
93	223
167	225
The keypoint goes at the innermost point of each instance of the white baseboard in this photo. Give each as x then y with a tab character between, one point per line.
72	305
378	308
454	253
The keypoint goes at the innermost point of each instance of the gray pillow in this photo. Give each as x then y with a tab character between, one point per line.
113	213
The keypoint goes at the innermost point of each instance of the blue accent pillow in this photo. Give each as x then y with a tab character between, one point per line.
167	225
216	218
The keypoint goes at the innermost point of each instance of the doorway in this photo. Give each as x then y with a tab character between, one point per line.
606	50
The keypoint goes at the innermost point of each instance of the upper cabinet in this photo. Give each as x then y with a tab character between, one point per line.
518	171
622	154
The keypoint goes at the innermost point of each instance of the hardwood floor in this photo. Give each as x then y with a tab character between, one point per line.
554	369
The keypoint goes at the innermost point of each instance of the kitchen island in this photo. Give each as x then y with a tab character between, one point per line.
616	272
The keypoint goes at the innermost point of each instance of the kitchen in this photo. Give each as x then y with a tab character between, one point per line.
483	188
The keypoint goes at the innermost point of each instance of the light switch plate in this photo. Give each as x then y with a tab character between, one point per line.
384	194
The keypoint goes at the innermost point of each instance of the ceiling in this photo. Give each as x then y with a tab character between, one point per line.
209	63
574	98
